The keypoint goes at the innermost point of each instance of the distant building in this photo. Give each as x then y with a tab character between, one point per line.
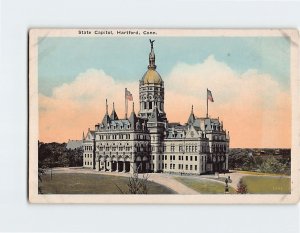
74	144
148	142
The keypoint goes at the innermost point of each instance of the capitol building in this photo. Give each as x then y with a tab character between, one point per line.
146	141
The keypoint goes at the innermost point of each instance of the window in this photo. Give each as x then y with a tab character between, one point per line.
191	167
187	158
150	105
195	158
173	166
191	158
180	148
186	167
196	167
172	148
166	157
166	165
173	157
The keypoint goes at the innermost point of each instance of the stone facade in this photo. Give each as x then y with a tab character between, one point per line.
149	143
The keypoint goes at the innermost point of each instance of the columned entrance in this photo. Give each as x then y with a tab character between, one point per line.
127	166
120	166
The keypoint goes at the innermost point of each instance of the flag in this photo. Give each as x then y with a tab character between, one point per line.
128	95
209	96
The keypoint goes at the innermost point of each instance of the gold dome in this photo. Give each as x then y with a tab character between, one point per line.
152	77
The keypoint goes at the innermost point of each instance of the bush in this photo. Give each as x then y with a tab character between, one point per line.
241	187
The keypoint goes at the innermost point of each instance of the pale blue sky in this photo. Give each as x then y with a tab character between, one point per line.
126	59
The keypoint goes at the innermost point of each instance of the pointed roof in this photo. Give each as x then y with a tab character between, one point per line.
113	115
132	119
106	118
192	117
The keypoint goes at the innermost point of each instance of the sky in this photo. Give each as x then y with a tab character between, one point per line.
249	78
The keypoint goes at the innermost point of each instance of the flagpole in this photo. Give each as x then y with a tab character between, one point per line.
125	104
206	102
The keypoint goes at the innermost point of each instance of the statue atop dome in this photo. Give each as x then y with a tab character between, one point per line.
151	42
151	56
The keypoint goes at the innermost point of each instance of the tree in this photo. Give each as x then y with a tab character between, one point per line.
241	187
135	184
273	165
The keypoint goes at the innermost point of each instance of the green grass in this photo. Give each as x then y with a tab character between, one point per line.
73	183
268	184
204	186
260	173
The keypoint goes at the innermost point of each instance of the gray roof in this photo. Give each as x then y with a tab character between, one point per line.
74	144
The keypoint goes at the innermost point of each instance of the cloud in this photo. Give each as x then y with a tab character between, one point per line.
254	107
79	105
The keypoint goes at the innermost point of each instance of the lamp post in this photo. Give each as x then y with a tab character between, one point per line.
226	186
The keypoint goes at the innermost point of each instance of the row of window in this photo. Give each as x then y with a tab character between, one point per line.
88	155
180	166
114	148
218	148
88	163
180	157
150	105
114	136
188	148
88	147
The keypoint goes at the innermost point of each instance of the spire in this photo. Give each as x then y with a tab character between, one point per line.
192	117
132	118
106	119
152	56
113	114
106	106
83	135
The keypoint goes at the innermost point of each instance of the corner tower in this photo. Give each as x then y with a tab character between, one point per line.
151	90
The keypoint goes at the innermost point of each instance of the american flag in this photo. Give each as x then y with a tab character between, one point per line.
128	95
209	96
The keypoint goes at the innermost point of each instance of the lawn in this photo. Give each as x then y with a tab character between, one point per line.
268	184
76	183
204	186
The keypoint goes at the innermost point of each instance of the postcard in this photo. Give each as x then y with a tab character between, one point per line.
168	116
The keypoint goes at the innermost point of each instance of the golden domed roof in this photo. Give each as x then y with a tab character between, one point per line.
152	77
